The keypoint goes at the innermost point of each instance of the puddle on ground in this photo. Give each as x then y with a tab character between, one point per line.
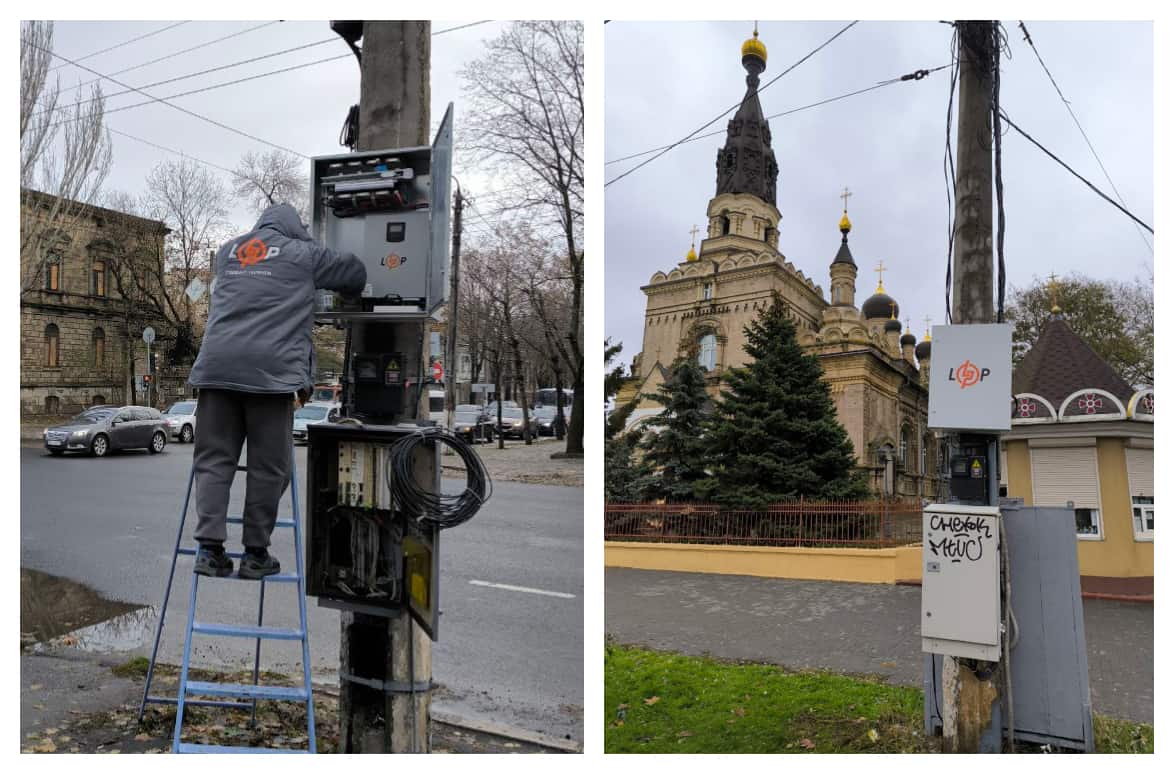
58	611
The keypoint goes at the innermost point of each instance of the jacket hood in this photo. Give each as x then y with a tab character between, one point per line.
283	219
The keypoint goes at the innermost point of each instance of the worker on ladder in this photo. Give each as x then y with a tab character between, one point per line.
255	357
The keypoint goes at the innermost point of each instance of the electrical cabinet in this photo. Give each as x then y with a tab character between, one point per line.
363	552
391	208
960	607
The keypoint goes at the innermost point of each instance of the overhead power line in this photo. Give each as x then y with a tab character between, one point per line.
1087	141
178	53
735	106
1076	174
461	27
120	45
170	150
914	76
203	89
177	107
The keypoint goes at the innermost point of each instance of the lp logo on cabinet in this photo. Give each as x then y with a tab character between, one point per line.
970	389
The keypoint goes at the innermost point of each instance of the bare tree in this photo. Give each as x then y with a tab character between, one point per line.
64	152
261	180
527	116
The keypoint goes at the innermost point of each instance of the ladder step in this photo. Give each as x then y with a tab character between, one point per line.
254	632
215	748
199	702
247	691
280	522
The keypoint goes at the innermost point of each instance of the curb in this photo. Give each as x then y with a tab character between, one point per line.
1143	598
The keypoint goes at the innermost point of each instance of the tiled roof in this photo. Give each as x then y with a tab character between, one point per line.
1061	363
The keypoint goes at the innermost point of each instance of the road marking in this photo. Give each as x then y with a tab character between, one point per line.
560	594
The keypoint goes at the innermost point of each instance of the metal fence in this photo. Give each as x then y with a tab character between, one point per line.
817	524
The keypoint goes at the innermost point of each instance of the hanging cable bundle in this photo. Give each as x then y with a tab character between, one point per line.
443	510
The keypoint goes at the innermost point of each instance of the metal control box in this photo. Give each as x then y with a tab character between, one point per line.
391	208
970	382
960	607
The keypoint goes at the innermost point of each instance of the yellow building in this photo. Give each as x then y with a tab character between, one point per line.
707	299
1081	435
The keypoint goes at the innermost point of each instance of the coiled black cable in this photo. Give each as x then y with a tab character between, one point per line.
443	510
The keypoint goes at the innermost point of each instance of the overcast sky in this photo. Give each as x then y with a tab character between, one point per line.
885	146
302	110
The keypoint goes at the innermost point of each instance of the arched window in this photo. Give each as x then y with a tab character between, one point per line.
767	233
52	405
99	400
99	347
707	357
53	272
725	225
906	446
52	346
98	278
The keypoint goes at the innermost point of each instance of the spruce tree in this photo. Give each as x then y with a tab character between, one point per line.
674	452
774	435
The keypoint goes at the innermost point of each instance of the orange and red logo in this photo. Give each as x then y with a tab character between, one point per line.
253	252
968	374
393	261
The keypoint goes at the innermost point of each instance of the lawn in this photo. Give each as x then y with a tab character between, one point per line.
668	703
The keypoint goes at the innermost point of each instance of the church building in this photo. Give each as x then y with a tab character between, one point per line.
880	392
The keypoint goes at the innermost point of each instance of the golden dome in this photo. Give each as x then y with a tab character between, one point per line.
754	47
691	256
845	224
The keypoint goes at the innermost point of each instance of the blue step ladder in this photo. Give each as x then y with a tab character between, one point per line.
230	695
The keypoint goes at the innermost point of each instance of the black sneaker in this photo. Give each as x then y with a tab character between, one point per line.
213	562
258	564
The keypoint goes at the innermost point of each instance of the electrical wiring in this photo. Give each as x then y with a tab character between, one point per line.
181	109
738	104
445	511
123	43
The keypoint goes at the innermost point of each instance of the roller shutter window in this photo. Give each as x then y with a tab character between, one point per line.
1140	465
1069	474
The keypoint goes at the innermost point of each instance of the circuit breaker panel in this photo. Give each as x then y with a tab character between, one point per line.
363	552
960	601
391	209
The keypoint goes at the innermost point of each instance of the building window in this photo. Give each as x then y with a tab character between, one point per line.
98	278
99	347
725	225
1143	518
904	455
99	400
767	233
52	346
707	291
1088	523
53	273
52	405
707	357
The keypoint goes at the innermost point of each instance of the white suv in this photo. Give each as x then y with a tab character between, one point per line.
181	420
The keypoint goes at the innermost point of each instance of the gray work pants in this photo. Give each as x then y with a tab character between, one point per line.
226	418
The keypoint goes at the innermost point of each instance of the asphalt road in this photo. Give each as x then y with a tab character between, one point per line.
853	628
511	655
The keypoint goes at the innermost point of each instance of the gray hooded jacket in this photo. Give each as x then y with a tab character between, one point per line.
262	311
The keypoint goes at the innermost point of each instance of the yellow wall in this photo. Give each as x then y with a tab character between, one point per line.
1118	555
858	565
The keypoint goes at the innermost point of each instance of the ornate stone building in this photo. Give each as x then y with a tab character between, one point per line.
707	300
80	337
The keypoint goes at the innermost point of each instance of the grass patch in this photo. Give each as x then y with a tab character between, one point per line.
136	667
668	703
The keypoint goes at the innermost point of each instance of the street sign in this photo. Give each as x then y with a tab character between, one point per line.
195	289
438	371
970	380
481	388
149	335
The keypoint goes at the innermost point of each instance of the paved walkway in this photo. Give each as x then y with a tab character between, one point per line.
848	627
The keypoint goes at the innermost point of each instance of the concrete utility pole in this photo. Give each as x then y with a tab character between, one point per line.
393	113
454	287
968	702
973	289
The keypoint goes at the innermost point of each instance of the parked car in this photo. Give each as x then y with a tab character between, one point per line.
506	404
545	415
481	410
311	414
326	393
472	426
181	420
102	429
512	423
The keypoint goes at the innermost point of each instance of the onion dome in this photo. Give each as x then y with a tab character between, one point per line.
908	340
845	224
753	47
880	305
893	325
691	256
923	348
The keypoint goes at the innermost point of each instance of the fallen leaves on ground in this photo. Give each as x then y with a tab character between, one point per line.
651	700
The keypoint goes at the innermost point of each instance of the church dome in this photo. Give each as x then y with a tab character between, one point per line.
908	340
893	325
922	350
880	305
754	47
691	256
845	224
